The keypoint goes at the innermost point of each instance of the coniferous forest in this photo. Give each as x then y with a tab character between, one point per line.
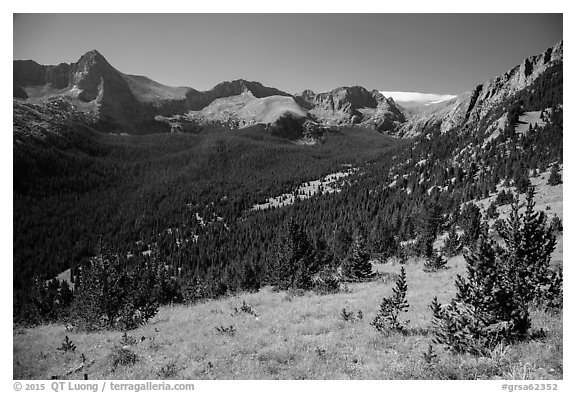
319	222
184	200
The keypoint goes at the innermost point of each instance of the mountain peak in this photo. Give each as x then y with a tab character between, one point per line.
93	57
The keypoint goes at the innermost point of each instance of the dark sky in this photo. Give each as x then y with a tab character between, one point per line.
432	53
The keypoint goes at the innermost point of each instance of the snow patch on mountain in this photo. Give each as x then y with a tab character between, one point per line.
412	96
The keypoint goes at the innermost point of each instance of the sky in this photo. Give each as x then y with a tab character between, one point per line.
431	53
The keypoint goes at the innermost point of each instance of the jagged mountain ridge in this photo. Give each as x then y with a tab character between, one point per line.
91	82
132	103
353	105
467	109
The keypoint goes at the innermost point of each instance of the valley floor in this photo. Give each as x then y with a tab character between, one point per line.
293	337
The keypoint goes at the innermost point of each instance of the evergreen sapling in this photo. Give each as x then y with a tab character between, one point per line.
391	307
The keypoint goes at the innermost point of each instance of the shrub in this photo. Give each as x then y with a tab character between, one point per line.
350	316
391	307
434	263
429	356
67	345
127	340
168	371
122	357
347	315
245	308
228	330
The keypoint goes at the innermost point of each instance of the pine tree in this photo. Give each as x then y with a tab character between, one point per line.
504	198
114	294
470	221
452	244
486	309
521	180
491	303
65	295
556	224
529	245
357	265
490	291
492	211
555	177
384	242
250	279
432	220
391	307
293	264
553	298
322	257
434	263
342	242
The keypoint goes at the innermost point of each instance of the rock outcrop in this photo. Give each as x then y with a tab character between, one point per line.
352	105
468	109
92	82
128	103
134	104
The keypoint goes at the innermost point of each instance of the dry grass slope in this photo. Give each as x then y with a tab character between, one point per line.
293	337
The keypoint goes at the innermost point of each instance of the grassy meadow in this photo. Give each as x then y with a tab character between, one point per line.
293	336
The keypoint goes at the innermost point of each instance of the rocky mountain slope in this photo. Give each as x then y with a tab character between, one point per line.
91	83
125	103
135	104
467	109
246	109
353	105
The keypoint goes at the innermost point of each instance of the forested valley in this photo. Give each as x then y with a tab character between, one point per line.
183	201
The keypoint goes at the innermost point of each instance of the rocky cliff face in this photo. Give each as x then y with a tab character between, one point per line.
443	115
469	108
30	73
387	117
352	105
92	82
494	91
131	103
342	99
